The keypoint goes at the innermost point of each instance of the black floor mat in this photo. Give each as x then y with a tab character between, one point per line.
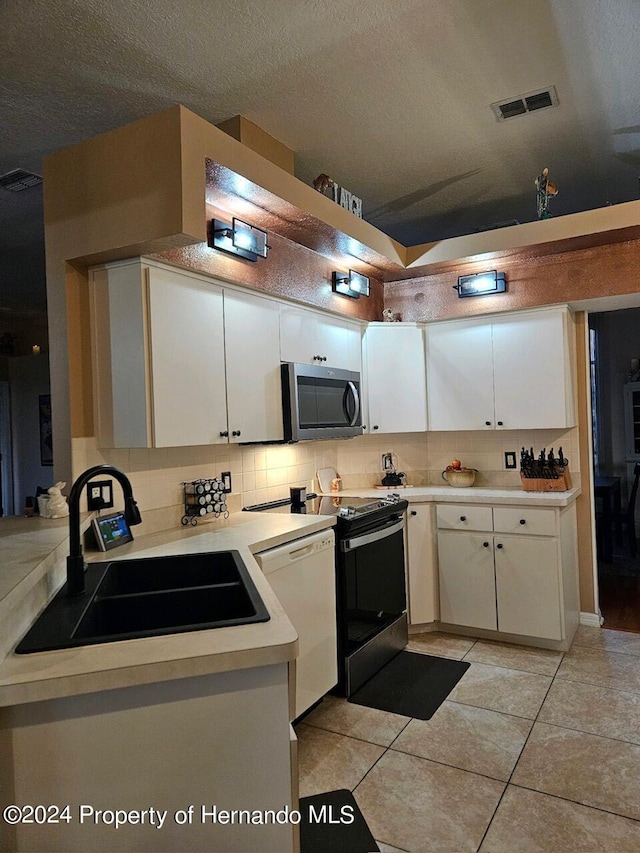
318	832
412	684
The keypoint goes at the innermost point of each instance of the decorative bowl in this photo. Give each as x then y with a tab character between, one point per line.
460	479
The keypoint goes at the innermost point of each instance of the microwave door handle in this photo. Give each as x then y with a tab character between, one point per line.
356	400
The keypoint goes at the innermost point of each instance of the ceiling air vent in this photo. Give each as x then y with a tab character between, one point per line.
19	180
524	104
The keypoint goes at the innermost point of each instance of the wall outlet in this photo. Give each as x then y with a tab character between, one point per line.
387	462
226	480
99	495
510	459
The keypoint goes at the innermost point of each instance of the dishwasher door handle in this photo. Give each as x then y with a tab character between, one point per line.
374	536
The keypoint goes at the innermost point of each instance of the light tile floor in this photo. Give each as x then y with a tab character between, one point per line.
532	752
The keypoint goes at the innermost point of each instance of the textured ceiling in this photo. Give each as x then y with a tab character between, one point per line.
392	99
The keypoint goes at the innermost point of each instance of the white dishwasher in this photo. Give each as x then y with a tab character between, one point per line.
302	575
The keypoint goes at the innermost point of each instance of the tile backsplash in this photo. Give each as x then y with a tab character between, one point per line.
423	456
265	472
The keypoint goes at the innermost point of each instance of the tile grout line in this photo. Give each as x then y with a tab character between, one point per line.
526	741
575	802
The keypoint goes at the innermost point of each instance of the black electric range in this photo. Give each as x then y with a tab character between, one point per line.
371	599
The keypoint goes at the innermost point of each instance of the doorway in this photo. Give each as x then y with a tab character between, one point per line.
6	454
614	339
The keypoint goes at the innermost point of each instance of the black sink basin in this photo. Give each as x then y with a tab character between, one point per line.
129	599
154	574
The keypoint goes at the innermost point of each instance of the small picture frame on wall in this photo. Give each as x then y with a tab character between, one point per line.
46	442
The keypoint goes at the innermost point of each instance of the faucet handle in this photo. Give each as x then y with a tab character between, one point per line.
131	512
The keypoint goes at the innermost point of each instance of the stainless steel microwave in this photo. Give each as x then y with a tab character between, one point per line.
320	402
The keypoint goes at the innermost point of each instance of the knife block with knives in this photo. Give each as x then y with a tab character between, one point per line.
544	473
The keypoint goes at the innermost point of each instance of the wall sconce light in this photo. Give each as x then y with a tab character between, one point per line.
481	284
354	285
239	238
35	349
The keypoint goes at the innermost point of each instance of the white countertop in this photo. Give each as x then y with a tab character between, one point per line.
67	672
474	494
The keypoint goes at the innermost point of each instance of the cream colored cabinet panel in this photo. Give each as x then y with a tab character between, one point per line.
464	517
309	337
467	579
531	520
422	574
252	358
459	376
396	382
530	369
122	402
186	341
528	587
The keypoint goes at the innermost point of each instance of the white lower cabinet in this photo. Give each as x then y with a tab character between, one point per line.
422	572
467	580
528	586
514	583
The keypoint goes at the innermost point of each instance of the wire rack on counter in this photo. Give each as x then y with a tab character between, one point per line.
203	498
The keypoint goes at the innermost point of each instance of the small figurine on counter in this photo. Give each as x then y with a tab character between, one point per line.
58	506
545	189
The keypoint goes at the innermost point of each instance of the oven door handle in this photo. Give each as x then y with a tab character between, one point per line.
374	536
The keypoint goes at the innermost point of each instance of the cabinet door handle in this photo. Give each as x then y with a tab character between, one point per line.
324	358
485	544
236	432
413	512
375	426
499	547
224	433
500	423
523	521
463	518
487	423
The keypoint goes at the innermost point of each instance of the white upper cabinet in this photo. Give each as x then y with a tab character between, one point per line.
513	372
309	337
459	375
532	371
252	346
180	360
395	378
186	350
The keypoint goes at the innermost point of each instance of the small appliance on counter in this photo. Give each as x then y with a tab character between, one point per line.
392	479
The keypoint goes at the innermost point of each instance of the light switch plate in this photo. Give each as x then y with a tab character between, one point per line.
226	480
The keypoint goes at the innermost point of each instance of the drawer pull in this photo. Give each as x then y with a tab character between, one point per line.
500	423
487	423
500	547
485	544
413	512
523	521
463	518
